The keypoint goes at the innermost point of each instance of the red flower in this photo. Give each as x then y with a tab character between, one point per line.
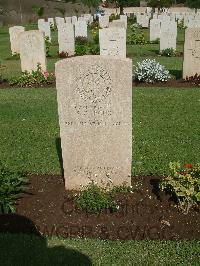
189	165
46	74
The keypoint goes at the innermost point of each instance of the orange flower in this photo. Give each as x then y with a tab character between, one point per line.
189	165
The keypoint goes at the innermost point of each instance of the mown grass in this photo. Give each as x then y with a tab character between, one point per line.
25	250
166	128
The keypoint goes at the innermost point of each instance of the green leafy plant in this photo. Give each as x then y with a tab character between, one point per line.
113	17
94	49
183	184
11	184
34	78
136	38
94	198
47	44
39	10
169	52
180	24
80	50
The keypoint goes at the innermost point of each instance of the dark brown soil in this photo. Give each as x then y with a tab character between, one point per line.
172	83
169	84
144	214
6	85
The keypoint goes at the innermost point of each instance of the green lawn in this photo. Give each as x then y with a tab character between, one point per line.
24	250
166	127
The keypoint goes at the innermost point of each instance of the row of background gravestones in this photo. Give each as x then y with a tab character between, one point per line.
112	41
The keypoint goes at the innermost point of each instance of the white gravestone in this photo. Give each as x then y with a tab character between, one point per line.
66	39
94	95
14	38
168	35
117	24
113	42
155	29
81	29
191	62
51	21
68	20
103	21
32	50
45	27
59	21
124	19
74	20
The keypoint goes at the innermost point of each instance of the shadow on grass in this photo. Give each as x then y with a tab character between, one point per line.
176	73
21	244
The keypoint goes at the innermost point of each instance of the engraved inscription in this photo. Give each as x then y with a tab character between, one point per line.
94	87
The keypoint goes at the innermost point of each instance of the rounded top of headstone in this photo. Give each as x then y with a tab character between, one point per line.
92	58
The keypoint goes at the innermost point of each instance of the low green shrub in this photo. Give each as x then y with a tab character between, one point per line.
169	52
94	198
136	38
34	78
94	49
11	184
183	184
80	50
180	24
113	17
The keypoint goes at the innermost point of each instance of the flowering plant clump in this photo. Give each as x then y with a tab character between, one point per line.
193	79
150	71
183	184
34	78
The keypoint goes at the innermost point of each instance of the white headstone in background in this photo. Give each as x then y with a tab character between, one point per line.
124	19
32	50
104	21
113	42
45	28
66	39
59	21
14	38
191	62
81	29
68	20
155	29
51	21
74	20
117	24
168	35
94	95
